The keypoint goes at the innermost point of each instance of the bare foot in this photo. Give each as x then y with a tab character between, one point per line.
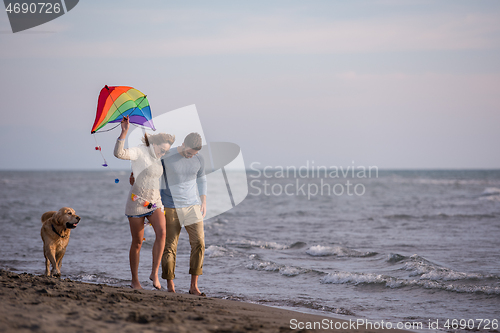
170	286
136	285
196	291
156	281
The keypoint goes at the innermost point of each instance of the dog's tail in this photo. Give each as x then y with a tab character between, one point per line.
47	215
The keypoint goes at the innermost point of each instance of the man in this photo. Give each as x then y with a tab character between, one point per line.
184	172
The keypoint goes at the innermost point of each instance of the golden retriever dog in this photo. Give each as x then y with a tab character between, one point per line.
55	235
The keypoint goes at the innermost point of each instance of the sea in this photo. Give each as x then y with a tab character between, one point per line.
392	246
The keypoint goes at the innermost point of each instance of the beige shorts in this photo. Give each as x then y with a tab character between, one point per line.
187	215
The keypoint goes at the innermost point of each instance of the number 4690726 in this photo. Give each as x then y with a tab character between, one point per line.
471	324
32	8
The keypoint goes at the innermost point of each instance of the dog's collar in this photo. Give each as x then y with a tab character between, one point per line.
54	230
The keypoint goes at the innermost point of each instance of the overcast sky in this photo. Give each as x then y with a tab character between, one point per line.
393	84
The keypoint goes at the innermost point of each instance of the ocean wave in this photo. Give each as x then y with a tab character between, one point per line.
393	282
304	304
427	270
400	217
395	257
440	216
298	245
491	191
93	278
214	251
220	220
295	213
426	275
315	306
491	194
491	198
260	244
355	278
433	181
5	181
322	251
448	181
462	216
270	266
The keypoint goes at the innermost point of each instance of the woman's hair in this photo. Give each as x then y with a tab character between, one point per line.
158	139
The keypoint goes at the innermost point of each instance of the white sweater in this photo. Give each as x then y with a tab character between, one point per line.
147	171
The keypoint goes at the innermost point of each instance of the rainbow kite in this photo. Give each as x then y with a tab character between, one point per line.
114	103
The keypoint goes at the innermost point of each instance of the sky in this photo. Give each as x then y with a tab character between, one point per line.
389	83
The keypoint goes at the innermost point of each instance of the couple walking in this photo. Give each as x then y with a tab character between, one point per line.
179	204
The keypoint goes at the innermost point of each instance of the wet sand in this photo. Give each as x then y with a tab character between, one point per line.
31	303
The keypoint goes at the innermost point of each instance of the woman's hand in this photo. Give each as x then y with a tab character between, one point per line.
125	126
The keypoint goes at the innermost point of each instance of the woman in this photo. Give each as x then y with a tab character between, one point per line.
144	198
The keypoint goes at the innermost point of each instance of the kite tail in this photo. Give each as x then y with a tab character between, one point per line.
98	148
105	164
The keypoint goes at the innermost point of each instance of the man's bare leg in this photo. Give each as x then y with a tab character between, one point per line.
194	285
170	286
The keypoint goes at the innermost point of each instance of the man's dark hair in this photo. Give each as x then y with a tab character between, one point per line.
193	141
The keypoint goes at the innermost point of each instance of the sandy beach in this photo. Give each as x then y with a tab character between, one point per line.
31	303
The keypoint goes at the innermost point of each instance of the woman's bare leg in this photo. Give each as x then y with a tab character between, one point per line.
137	231
157	220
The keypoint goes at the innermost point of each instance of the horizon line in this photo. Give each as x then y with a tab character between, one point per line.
275	169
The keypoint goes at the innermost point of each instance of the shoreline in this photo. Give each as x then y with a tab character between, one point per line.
46	304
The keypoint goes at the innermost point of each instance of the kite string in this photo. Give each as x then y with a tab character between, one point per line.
112	128
117	180
99	148
108	129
